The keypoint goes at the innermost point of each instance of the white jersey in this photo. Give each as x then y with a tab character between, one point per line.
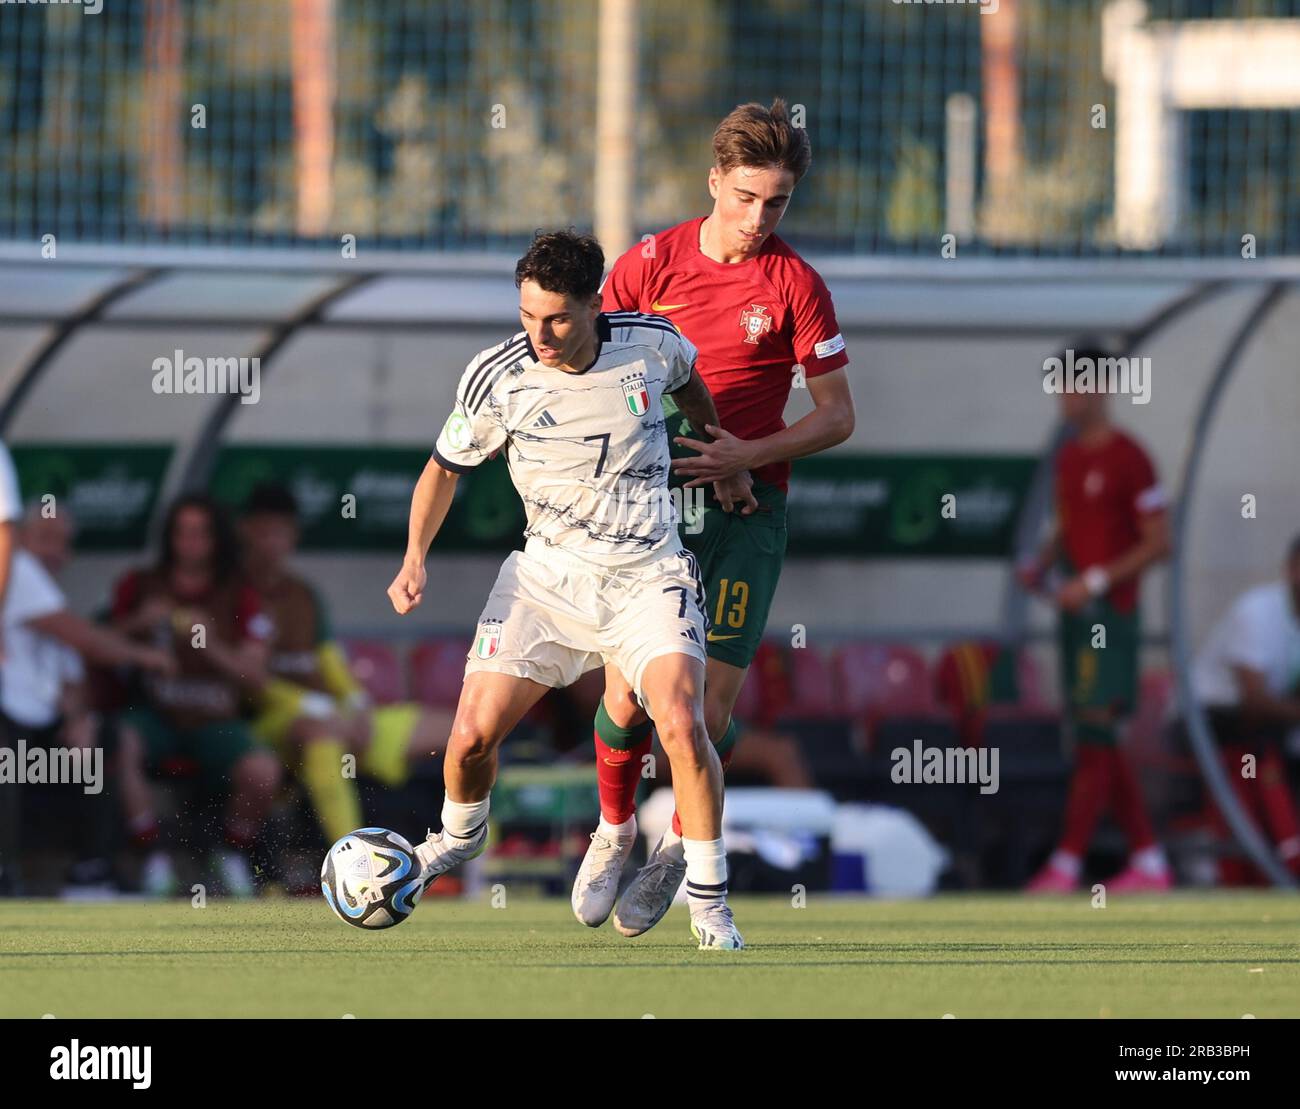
588	451
1261	631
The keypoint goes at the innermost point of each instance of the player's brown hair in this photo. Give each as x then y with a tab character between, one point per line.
752	135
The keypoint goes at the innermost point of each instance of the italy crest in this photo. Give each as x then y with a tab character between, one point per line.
489	638
636	395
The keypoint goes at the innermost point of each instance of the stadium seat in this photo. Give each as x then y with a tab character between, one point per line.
814	685
437	671
883	679
376	667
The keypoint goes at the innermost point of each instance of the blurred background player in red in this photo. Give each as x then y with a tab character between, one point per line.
1111	524
1247	678
763	322
313	711
193	602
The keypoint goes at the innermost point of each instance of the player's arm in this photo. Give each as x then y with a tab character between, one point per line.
1259	702
829	423
429	506
244	661
473	433
695	402
100	645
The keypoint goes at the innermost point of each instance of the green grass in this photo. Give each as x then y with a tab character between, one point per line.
972	956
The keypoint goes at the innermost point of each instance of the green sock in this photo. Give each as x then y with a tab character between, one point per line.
620	739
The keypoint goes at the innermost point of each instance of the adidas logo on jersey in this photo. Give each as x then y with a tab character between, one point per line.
691	634
544	420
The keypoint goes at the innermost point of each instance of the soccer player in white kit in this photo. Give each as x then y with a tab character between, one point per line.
574	400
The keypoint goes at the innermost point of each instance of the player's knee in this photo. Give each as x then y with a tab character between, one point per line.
682	733
471	744
623	709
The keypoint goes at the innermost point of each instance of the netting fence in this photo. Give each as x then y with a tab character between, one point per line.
1064	128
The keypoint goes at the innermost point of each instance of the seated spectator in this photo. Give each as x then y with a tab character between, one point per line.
312	710
1245	677
42	688
193	602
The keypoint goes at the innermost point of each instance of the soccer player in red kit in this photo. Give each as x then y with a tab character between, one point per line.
1111	525
763	322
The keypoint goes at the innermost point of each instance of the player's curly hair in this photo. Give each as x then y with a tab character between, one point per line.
563	262
752	135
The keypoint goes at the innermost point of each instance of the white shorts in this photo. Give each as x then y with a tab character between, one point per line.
553	618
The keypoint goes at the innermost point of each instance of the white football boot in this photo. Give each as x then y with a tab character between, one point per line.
650	893
235	874
715	929
158	878
596	885
440	852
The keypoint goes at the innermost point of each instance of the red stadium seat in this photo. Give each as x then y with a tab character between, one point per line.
437	671
879	678
813	685
787	681
376	667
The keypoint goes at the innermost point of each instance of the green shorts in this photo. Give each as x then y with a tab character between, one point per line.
215	747
740	557
1094	677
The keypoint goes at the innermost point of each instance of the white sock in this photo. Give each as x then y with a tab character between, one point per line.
1069	864
1151	860
463	821
706	872
618	831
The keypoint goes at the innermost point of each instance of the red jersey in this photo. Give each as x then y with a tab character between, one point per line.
199	693
1102	492
751	322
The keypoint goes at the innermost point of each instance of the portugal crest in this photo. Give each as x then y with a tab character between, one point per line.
756	322
489	638
636	395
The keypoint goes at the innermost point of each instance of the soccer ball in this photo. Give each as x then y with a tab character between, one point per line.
371	878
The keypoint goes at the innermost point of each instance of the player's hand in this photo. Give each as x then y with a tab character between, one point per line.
407	589
722	458
1073	595
736	490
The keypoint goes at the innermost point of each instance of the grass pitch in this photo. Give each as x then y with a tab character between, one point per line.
1216	955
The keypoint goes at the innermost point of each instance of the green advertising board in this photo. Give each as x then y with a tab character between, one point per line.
358	498
110	489
896	506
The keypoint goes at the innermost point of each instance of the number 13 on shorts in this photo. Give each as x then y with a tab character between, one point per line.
733	599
